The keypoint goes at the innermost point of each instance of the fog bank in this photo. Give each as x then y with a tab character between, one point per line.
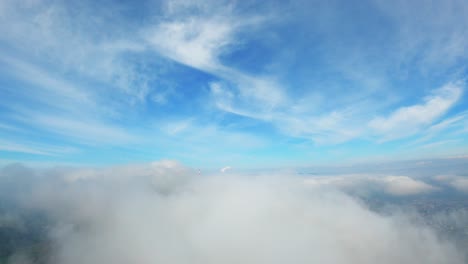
166	213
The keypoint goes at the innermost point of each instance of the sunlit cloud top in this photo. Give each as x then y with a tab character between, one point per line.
238	83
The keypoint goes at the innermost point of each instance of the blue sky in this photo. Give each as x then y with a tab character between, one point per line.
238	83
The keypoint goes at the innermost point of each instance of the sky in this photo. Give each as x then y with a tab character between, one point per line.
233	83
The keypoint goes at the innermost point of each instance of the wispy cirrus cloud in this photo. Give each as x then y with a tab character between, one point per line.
432	36
263	98
66	109
409	120
34	148
242	72
200	39
67	43
194	41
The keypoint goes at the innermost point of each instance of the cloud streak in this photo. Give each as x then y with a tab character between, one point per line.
411	119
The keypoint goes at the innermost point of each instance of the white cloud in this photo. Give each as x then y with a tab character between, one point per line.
448	126
22	146
196	42
65	44
61	107
14	147
270	103
326	128
251	97
197	34
261	92
225	169
402	185
409	120
44	80
162	175
189	133
433	35
176	127
372	184
86	130
115	218
443	125
459	183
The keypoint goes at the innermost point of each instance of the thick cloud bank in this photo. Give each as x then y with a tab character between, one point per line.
165	213
368	184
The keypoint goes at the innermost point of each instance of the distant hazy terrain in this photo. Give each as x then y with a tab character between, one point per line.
23	235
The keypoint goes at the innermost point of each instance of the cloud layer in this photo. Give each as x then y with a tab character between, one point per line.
165	212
